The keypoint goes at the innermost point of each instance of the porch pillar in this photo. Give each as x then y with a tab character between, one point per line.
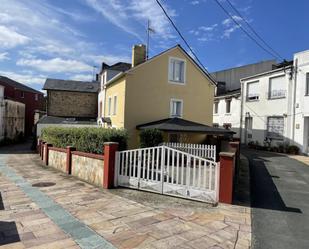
227	164
69	150
110	149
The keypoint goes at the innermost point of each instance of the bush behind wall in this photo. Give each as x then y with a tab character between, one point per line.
85	139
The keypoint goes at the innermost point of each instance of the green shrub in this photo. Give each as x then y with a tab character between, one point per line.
293	149
84	139
150	138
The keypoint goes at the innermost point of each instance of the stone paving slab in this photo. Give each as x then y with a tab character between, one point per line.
146	221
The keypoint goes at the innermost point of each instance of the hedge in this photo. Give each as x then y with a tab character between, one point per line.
84	139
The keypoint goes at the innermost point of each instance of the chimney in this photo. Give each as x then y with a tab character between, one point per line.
138	54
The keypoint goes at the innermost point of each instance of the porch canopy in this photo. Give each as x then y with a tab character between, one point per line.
182	125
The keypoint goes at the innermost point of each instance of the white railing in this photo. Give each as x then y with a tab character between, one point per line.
200	150
168	171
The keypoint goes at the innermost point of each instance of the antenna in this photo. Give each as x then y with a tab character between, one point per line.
149	30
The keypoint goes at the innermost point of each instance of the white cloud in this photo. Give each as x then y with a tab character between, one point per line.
107	58
55	65
194	2
9	38
82	77
27	78
230	26
124	15
4	56
208	28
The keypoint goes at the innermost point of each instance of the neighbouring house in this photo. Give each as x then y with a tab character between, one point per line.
170	92
275	105
33	100
227	101
12	118
226	111
70	103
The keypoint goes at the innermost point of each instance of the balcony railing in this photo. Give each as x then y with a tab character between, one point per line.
276	94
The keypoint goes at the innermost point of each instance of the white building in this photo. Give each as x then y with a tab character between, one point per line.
266	106
226	113
275	105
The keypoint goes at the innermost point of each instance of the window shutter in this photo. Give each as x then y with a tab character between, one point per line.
277	87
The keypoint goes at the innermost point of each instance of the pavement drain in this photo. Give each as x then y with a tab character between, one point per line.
43	184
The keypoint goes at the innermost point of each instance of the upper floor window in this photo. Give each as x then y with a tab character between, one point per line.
307	84
176	70
227	126
277	87
115	105
216	107
275	127
253	91
228	105
109	112
215	125
22	94
176	108
36	97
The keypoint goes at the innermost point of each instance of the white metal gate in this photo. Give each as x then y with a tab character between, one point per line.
168	171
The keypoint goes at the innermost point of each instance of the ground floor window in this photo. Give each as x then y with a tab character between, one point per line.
275	127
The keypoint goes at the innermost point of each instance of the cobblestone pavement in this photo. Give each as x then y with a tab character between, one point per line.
143	221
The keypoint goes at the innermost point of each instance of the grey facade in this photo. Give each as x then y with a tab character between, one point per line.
231	77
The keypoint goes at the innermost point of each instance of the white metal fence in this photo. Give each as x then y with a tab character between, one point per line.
200	150
168	171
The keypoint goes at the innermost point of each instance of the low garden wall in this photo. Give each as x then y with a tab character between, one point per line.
57	158
88	167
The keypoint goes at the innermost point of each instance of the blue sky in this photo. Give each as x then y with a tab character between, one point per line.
65	39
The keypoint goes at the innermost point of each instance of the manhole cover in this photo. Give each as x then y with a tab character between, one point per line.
43	184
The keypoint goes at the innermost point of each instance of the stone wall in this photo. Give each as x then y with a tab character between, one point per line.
57	160
88	169
72	104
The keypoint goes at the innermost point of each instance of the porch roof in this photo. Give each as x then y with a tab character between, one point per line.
182	125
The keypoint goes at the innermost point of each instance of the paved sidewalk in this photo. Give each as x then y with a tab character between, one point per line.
124	218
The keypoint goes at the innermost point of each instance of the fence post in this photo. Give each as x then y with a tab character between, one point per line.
38	146
46	149
227	164
69	150
110	149
42	150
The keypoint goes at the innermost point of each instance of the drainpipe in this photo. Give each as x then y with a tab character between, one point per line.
295	69
241	110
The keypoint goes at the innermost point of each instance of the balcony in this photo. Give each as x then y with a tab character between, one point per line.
276	94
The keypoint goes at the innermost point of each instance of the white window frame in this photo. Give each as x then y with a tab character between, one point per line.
277	137
184	71
307	85
109	106
115	99
171	108
230	103
270	96
216	107
247	91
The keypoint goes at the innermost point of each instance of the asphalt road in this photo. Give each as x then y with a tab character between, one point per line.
280	201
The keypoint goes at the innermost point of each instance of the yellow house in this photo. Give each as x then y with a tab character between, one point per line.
170	92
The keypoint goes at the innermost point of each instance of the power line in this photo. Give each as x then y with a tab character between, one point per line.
184	40
245	31
252	29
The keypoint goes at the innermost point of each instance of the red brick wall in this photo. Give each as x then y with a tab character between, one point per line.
29	100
